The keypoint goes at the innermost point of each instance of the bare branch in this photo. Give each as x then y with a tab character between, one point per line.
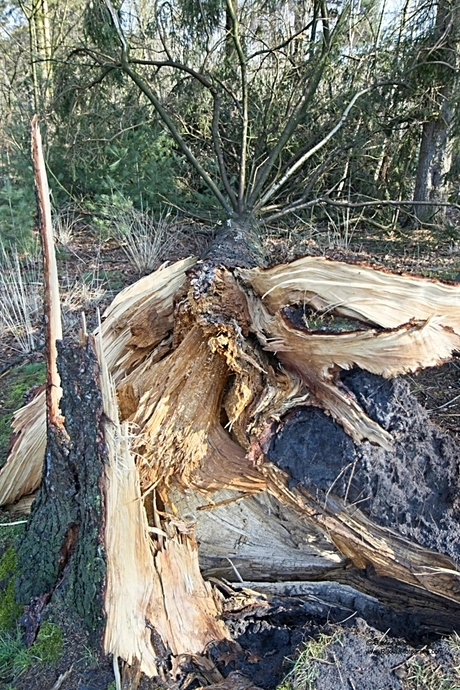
245	99
299	205
52	302
277	185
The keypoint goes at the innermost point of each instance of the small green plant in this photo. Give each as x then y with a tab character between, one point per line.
14	657
305	670
104	209
17	209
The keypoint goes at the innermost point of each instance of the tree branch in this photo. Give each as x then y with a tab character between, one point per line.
326	201
147	91
244	95
277	185
296	116
176	65
282	45
219	152
287	132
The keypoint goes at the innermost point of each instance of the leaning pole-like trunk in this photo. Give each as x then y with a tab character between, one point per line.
170	412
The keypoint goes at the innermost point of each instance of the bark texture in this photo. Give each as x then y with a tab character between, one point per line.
63	542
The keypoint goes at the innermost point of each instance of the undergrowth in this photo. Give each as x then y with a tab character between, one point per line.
20	298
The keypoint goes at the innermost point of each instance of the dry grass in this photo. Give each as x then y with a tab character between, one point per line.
21	299
144	240
65	222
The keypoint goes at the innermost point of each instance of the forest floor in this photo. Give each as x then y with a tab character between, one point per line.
340	646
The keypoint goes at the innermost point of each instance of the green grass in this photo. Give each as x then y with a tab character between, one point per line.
305	670
13	386
15	657
430	676
427	674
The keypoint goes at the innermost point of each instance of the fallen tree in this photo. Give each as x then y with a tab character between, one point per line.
172	415
166	450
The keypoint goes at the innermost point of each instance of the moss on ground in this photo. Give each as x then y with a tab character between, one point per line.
9	609
14	384
49	643
14	656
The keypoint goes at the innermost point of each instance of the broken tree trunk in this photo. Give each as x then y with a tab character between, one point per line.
175	416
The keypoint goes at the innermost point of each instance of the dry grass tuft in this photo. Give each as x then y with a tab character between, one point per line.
21	299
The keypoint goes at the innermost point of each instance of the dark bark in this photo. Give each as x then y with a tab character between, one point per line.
433	164
237	243
434	155
62	545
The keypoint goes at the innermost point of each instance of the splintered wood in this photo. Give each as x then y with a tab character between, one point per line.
357	291
21	474
416	324
198	363
156	598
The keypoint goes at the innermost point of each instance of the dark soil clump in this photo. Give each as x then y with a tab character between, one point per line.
320	653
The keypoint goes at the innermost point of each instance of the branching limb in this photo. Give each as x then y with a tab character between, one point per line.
219	152
148	92
154	100
384	202
303	159
293	120
300	205
280	46
178	66
287	132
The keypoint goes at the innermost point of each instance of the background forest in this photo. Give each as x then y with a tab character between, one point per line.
318	114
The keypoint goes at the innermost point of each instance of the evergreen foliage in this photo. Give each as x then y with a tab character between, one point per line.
185	104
